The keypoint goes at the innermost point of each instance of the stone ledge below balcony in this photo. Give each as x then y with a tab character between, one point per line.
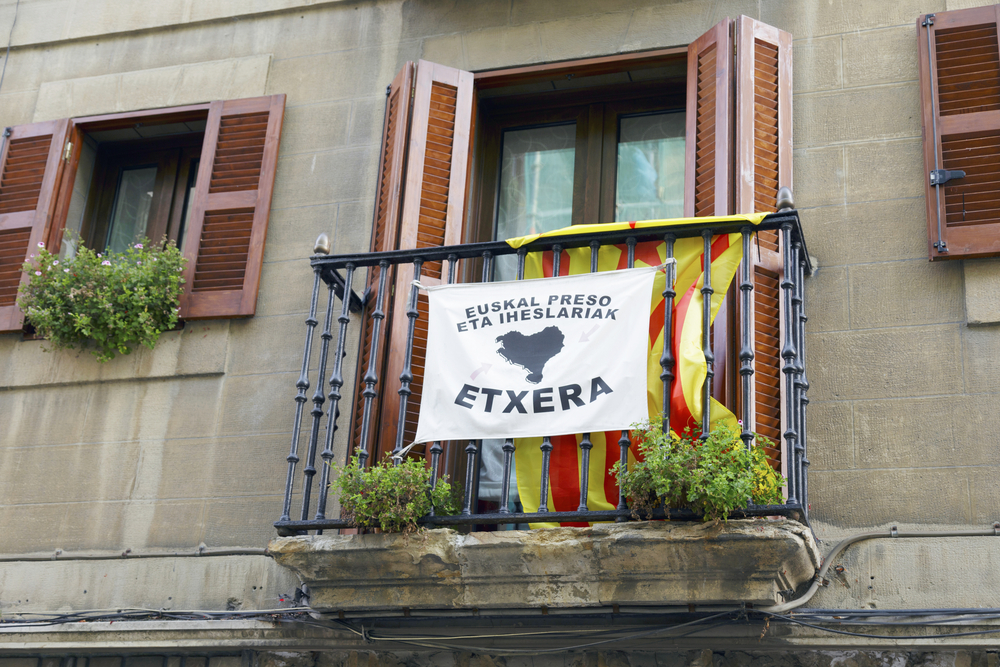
639	563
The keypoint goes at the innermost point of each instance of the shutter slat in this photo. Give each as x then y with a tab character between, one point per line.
385	234
30	171
225	240
433	210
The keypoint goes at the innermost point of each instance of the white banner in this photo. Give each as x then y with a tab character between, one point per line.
528	358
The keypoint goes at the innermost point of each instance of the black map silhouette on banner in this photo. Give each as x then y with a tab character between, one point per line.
531	352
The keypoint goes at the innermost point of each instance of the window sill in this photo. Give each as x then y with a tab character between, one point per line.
644	564
197	349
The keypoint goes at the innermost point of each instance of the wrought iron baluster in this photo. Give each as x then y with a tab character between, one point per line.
595	251
435	448
406	377
317	411
706	335
371	375
487	266
470	473
336	383
557	250
803	386
797	364
623	440
667	358
521	254
746	344
788	354
508	456
302	386
543	493
435	458
585	446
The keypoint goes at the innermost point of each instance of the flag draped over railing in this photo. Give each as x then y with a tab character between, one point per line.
686	400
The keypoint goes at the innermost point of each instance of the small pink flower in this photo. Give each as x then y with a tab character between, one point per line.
105	262
98	255
139	246
65	270
38	273
55	262
138	263
41	244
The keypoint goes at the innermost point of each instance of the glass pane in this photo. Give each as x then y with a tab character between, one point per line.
130	213
536	185
650	183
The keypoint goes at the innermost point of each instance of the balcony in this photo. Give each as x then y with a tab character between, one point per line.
760	552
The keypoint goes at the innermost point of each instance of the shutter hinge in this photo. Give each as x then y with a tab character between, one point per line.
942	176
941	246
68	151
6	132
388	90
928	21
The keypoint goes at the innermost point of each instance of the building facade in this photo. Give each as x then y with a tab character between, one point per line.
141	494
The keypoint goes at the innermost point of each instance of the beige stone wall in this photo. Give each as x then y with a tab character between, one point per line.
186	444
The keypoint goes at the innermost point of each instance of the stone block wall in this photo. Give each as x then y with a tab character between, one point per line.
186	444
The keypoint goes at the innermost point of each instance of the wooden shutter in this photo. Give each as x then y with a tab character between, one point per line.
224	241
437	174
763	112
30	169
960	100
385	236
708	151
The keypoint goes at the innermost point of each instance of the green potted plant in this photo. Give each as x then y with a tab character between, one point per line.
392	495
107	302
712	477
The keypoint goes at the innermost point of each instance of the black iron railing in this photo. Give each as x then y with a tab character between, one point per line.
338	273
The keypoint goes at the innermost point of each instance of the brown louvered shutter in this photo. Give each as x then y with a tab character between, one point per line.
960	100
385	236
708	150
437	173
224	243
30	169
763	112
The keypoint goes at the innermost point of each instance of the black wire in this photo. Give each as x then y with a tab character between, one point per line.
873	636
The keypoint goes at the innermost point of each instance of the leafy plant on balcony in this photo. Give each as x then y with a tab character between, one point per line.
712	477
392	497
105	302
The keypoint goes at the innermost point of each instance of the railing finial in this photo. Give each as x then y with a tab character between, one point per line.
785	202
322	246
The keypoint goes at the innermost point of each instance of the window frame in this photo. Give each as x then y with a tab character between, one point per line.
596	112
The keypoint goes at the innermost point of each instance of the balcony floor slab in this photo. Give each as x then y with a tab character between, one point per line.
638	563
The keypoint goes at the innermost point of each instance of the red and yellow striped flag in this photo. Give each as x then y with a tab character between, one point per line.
686	404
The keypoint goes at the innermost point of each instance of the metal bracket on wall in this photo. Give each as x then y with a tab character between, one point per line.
942	176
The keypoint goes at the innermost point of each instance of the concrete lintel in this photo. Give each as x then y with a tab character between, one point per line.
644	563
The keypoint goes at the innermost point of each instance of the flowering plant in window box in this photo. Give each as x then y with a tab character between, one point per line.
712	477
106	302
392	494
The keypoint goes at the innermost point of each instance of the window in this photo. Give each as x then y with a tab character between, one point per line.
960	94
201	175
610	148
600	153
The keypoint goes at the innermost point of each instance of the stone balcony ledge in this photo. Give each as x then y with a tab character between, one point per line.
638	563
